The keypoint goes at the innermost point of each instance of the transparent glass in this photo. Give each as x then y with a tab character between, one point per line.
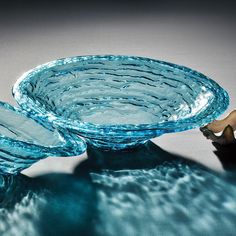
118	102
23	141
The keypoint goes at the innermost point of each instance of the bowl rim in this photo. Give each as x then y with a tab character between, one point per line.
222	100
68	141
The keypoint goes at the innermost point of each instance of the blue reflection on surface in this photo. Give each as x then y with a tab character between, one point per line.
144	192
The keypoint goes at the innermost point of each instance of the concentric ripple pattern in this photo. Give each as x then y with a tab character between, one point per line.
110	95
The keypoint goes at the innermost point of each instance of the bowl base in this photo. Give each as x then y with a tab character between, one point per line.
112	146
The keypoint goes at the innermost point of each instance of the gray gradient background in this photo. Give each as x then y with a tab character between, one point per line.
200	35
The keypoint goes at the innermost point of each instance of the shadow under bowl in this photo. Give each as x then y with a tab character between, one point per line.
118	102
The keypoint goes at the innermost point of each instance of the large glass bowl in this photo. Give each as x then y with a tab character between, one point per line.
118	102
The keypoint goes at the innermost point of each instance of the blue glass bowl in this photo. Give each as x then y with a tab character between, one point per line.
23	141
118	102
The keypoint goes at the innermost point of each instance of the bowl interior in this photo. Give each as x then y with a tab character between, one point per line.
119	90
17	126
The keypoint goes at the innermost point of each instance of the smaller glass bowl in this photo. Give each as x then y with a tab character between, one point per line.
23	141
118	102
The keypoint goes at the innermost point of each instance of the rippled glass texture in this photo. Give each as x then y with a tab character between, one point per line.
120	101
23	141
